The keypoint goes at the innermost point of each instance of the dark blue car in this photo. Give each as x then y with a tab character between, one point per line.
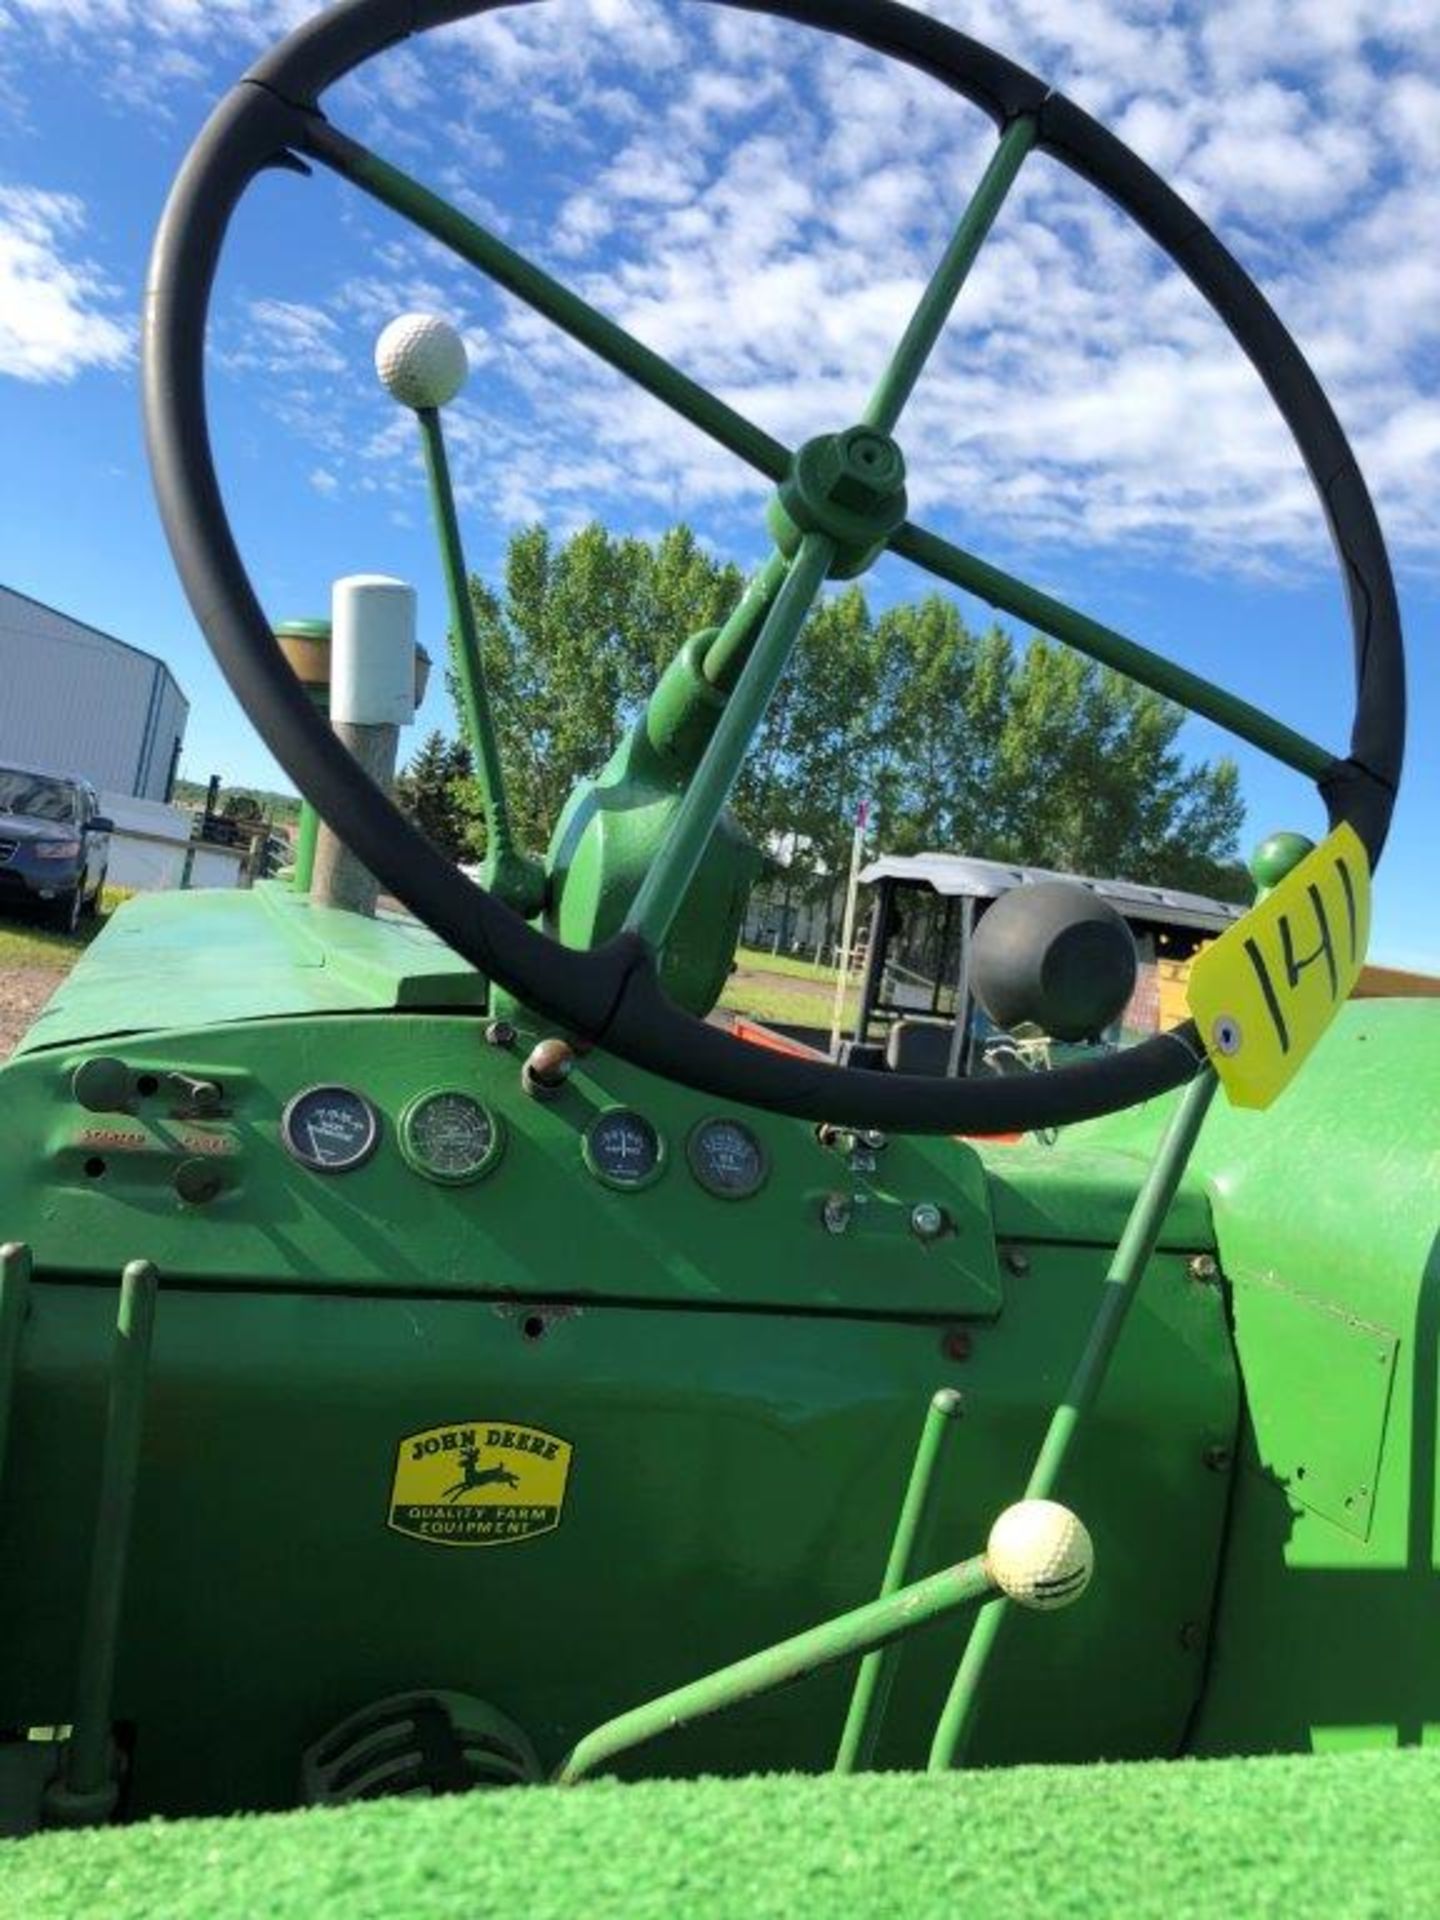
54	844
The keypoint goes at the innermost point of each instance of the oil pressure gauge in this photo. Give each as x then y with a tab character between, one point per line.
330	1129
450	1137
623	1149
726	1158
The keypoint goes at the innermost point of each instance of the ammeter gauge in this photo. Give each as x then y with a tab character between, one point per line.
449	1136
330	1129
623	1149
726	1158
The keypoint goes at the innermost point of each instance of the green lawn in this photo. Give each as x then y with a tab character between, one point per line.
779	991
25	943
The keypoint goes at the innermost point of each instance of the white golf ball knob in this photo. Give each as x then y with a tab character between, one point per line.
1040	1554
421	360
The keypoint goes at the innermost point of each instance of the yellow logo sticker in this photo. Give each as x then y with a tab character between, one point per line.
1268	988
479	1483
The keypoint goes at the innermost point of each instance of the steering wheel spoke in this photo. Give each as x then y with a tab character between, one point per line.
897	383
1050	616
653	910
566	310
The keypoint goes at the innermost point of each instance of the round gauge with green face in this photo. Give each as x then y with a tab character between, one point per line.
449	1136
726	1158
622	1148
330	1129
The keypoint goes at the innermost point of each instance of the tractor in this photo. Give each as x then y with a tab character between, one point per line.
540	1452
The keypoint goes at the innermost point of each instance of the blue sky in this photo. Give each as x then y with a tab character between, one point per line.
762	206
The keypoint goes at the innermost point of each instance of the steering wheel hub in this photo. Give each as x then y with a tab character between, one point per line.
849	486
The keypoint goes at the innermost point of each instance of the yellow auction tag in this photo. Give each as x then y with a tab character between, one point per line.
1264	993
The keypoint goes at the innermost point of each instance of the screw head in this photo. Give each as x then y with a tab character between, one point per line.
927	1221
1202	1266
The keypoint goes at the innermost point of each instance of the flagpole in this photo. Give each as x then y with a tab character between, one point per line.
847	931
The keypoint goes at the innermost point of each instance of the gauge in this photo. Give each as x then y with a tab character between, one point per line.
726	1158
623	1149
330	1129
448	1136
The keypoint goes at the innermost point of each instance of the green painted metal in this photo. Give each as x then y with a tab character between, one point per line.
670	873
848	487
731	646
1112	649
611	830
735	1469
77	1180
896	384
882	1623
1327	1220
877	1670
564	309
247	955
1122	1281
509	873
88	1792
14	1305
1275	856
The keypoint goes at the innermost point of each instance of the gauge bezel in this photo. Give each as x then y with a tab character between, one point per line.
701	1174
600	1173
302	1156
415	1160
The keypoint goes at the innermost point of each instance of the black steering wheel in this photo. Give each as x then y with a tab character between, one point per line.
611	995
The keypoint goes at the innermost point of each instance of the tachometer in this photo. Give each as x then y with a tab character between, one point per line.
330	1129
449	1136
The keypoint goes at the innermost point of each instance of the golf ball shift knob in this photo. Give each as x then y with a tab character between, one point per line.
421	360
1040	1555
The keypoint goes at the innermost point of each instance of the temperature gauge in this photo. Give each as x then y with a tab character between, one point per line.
623	1149
330	1129
448	1136
726	1158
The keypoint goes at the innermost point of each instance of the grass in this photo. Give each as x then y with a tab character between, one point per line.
778	991
769	987
25	943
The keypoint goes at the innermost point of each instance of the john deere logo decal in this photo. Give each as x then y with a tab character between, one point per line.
479	1484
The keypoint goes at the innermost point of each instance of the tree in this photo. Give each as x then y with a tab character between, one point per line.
435	792
961	741
573	645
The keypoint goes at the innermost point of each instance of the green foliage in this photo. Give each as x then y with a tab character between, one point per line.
436	792
573	646
960	741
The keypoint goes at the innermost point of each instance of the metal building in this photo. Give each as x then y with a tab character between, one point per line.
76	700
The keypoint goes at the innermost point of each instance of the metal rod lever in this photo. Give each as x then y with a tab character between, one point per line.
869	1626
88	1790
1137	1244
877	1669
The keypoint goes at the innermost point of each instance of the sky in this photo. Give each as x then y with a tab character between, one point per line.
762	205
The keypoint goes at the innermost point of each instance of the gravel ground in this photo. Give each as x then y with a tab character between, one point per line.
23	991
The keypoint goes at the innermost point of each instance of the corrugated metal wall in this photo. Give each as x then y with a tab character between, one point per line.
75	700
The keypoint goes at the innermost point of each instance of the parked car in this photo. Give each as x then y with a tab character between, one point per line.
54	844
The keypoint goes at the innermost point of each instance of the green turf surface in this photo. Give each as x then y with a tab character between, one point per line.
1338	1835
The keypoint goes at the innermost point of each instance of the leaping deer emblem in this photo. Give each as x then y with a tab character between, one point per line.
473	1478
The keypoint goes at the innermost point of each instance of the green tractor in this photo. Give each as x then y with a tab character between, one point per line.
433	1357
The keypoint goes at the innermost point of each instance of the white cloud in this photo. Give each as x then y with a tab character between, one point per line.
57	313
765	204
